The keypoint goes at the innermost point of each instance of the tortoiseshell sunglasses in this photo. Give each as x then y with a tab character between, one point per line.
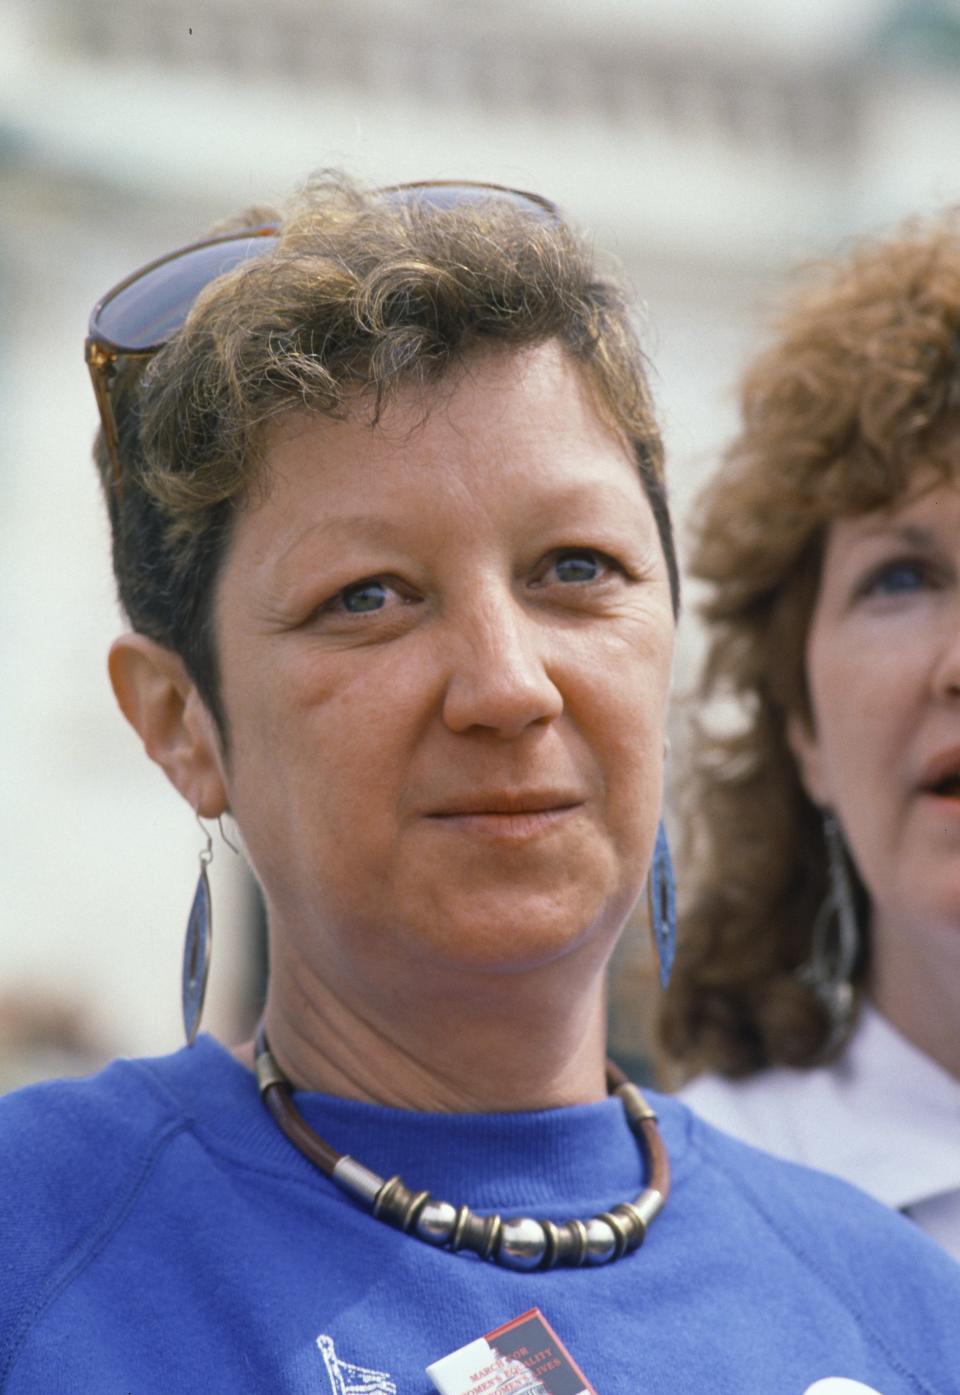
144	311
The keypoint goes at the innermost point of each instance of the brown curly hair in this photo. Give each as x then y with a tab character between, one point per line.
837	415
364	293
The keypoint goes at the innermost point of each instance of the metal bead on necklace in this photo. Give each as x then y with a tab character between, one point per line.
518	1243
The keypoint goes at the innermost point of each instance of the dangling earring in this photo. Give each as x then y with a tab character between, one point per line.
836	942
662	904
196	946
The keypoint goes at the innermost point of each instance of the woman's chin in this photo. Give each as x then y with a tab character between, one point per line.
512	937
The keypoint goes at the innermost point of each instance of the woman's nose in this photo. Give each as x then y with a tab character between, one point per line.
499	678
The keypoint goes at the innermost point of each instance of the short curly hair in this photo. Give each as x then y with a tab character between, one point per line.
362	295
837	416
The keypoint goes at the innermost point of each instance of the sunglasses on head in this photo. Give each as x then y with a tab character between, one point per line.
143	312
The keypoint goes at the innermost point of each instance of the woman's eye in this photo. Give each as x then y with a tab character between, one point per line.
363	596
583	565
898	578
366	597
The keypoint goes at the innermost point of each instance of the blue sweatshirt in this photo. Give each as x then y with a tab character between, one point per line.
160	1236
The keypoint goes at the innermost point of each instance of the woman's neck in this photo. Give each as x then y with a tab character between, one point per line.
498	1043
915	983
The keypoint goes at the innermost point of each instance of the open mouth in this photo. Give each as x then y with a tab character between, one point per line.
940	776
946	788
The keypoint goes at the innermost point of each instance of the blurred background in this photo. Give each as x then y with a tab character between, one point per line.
708	147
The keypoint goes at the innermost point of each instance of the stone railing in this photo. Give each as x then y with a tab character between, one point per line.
391	53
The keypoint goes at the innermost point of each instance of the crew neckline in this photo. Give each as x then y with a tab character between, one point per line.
563	1159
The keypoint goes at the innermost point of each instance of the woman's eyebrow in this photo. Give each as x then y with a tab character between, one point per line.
911	534
370	527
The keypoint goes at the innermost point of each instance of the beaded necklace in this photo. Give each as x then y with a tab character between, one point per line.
517	1243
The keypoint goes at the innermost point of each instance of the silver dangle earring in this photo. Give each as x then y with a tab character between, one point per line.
662	904
196	946
231	845
836	942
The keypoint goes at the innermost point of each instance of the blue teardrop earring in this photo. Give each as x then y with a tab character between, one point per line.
196	946
662	904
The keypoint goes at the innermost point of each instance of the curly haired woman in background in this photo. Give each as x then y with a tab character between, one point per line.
818	983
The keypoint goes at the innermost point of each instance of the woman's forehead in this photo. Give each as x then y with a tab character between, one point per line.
480	383
518	412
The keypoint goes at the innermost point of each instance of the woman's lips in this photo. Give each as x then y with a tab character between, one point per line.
945	794
939	785
944	802
514	824
941	775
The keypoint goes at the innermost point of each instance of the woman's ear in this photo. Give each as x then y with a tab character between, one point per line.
811	763
162	704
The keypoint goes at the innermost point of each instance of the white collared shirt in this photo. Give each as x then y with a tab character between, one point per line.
884	1117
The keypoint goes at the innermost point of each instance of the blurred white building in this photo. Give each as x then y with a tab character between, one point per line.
707	147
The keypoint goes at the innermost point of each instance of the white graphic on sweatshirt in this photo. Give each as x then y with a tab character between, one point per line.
839	1385
347	1379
